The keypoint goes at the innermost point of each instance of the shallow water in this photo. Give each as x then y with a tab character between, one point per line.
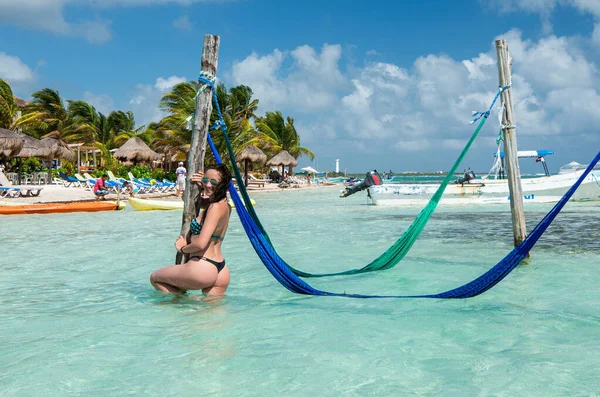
78	316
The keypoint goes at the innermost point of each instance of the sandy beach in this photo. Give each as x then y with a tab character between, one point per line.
60	193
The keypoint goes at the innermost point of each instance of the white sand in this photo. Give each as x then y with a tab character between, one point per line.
54	193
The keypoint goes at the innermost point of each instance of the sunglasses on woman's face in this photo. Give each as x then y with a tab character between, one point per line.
213	182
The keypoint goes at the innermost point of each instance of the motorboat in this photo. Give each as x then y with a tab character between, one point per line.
493	188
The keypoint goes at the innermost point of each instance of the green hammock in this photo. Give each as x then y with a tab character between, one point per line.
399	249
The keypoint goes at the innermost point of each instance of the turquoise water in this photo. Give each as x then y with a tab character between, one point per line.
79	318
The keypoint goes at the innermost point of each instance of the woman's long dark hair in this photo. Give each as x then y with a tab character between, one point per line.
220	191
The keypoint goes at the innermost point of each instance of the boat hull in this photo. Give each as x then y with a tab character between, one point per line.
535	190
161	205
62	207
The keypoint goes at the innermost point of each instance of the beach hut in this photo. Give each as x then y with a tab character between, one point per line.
250	154
135	150
11	143
283	159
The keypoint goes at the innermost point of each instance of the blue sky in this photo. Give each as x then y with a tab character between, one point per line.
385	85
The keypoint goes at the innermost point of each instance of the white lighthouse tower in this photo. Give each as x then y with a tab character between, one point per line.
337	165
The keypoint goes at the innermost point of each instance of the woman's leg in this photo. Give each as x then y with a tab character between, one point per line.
220	285
190	275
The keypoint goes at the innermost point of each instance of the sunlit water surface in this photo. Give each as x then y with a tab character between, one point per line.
79	318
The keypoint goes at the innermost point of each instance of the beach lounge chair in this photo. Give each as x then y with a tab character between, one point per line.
82	181
259	182
85	182
140	188
159	185
9	191
110	185
141	184
25	191
69	180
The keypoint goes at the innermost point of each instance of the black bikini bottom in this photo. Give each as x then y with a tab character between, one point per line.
218	265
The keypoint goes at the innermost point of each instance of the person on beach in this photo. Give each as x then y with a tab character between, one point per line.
181	173
100	189
130	189
205	269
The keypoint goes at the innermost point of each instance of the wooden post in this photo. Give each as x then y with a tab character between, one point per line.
78	158
195	161
510	145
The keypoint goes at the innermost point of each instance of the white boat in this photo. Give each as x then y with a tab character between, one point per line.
544	189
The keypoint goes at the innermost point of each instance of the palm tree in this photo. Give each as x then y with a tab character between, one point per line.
9	111
106	133
46	116
87	121
173	133
276	135
242	105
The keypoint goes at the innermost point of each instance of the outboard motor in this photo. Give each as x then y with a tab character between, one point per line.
372	179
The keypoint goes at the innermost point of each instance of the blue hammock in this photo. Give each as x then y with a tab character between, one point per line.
289	280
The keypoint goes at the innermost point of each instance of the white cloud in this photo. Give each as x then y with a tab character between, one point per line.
260	74
596	34
311	84
591	6
545	8
382	107
13	69
182	23
49	15
165	85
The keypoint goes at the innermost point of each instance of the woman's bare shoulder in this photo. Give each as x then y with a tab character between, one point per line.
221	207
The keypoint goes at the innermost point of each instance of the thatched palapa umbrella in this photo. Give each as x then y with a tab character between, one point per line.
58	150
32	147
250	154
135	150
11	143
45	149
282	159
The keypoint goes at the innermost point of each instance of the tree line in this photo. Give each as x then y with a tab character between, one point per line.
76	121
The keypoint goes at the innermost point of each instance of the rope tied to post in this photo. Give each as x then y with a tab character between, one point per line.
206	78
478	115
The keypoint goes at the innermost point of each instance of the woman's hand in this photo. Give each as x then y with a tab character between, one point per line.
197	177
180	243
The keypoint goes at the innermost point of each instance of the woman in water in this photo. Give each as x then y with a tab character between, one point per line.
205	269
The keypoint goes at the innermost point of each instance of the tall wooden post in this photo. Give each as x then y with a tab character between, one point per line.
510	145
78	158
195	161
